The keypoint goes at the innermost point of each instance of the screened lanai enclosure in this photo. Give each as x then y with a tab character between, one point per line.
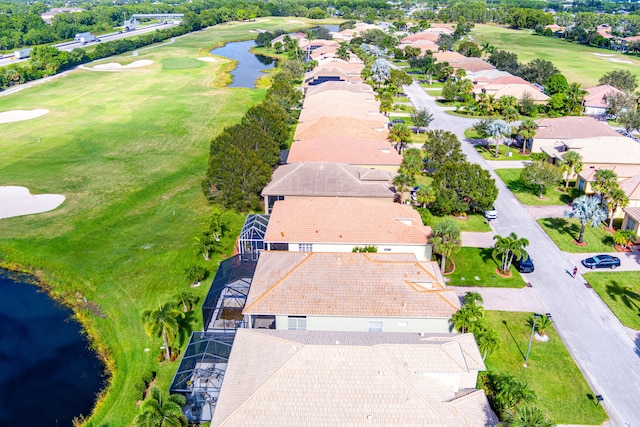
251	239
222	309
199	377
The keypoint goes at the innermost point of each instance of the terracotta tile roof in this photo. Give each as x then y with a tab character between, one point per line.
344	150
631	187
342	126
323	179
345	221
364	111
633	212
349	285
422	36
515	90
345	86
473	65
308	378
341	96
555	28
623	171
572	127
603	150
449	56
597	96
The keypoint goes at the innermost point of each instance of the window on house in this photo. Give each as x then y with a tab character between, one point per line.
272	200
387	249
631	224
375	326
297	323
403	324
305	247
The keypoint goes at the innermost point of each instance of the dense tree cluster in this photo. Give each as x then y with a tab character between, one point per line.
243	156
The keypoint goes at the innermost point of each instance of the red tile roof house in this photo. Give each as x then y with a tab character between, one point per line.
561	130
367	153
322	379
342	126
322	179
357	292
595	102
631	221
340	224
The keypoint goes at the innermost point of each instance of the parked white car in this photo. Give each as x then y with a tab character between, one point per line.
491	213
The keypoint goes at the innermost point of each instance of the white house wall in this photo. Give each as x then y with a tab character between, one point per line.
422	252
361	324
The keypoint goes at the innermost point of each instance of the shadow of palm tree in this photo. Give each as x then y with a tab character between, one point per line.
563	226
485	254
506	325
626	294
637	341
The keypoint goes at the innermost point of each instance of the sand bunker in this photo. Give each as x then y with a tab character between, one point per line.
19	115
114	66
207	59
604	54
17	201
624	61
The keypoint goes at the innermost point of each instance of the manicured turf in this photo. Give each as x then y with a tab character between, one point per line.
579	63
561	390
621	292
488	152
474	222
129	151
563	231
476	267
528	194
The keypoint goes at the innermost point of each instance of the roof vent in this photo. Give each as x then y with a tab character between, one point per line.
369	417
405	221
337	342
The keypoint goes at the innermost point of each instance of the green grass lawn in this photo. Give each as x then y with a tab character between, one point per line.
488	152
578	63
477	262
528	194
474	222
563	231
621	292
129	151
561	390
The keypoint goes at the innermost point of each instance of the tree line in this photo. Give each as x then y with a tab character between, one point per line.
243	157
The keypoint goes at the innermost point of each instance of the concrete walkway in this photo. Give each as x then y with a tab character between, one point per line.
505	299
507	164
477	239
629	261
552	211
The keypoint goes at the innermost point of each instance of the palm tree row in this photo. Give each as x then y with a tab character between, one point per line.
507	249
470	318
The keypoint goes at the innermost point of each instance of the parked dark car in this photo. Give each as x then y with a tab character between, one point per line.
602	261
525	265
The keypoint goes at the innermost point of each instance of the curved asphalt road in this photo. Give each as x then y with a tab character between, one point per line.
607	356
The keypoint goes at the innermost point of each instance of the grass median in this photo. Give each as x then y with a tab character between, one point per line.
561	390
129	150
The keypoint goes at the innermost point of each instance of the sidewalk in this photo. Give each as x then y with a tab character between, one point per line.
477	239
505	299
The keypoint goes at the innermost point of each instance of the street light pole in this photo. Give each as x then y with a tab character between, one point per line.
533	328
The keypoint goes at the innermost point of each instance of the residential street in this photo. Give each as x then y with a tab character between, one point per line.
601	347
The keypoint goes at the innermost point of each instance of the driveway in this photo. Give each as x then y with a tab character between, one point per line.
553	211
607	356
629	261
505	299
477	239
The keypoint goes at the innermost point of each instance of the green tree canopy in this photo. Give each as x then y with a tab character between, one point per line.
621	79
542	174
463	187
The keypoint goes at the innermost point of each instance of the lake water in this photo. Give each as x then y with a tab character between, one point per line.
48	375
250	66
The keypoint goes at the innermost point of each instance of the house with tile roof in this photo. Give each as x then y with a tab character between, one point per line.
587	176
595	101
365	292
327	179
342	126
631	221
298	379
340	224
367	153
569	129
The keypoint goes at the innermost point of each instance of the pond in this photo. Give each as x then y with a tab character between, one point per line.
250	66
48	375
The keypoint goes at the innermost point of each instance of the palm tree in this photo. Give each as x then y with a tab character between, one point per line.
487	104
425	195
575	96
528	416
487	49
472	298
466	318
617	199
542	324
527	130
572	164
605	181
155	411
587	209
412	162
510	392
163	321
507	248
498	129
488	339
446	240
402	182
187	300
